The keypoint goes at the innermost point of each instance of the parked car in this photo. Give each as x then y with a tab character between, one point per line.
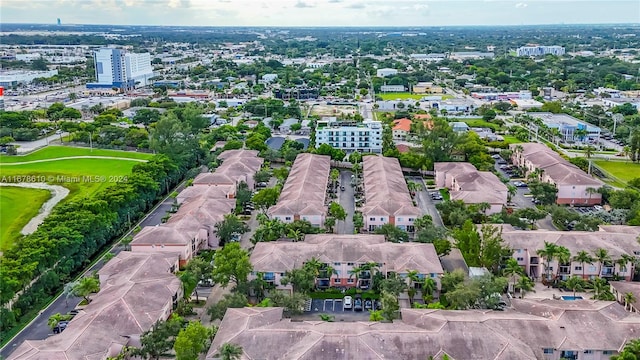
519	184
357	305
262	185
348	302
74	312
60	327
341	188
235	237
368	304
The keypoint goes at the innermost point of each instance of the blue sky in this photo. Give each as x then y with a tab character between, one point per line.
321	12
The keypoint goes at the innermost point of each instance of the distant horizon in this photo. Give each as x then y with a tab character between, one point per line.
322	13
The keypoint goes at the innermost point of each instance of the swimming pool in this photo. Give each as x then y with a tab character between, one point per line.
567	297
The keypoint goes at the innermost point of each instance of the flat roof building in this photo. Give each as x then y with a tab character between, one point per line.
362	137
567	125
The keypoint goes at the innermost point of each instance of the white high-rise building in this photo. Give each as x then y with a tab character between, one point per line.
116	68
362	137
540	50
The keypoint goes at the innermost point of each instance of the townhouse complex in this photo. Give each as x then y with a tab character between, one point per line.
546	329
137	290
387	198
575	187
304	195
344	254
471	186
620	244
202	205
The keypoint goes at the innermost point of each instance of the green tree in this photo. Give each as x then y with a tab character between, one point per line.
262	176
230	351
575	283
390	306
549	253
56	318
525	284
265	198
231	265
531	214
544	192
329	223
393	233
602	256
86	286
467	239
334	175
375	315
233	300
157	341
583	258
629	300
337	211
231	225
631	351
192	341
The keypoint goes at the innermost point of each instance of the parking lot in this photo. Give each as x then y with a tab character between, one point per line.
337	306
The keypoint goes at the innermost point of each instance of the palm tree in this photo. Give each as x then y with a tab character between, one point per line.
525	284
588	151
55	319
429	286
295	234
629	299
583	257
602	255
599	287
512	268
574	283
86	286
591	191
414	277
580	134
511	192
230	351
334	175
189	280
355	271
548	253
563	255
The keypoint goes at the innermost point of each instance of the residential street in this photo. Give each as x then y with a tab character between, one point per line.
424	202
38	329
346	199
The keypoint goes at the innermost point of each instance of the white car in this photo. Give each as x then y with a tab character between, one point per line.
348	302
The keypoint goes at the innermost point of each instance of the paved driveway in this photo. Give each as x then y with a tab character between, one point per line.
347	200
424	202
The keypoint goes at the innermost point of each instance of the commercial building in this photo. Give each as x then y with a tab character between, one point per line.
533	330
136	291
575	187
426	88
526	244
470	55
9	79
525	104
392	88
343	253
540	50
471	186
433	57
387	198
303	196
454	106
349	136
386	72
567	125
502	96
117	68
611	102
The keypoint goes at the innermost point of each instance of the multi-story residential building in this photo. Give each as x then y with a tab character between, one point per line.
387	198
341	254
540	50
362	137
567	126
471	186
617	243
401	128
303	196
117	68
532	330
136	291
189	230
575	187
237	166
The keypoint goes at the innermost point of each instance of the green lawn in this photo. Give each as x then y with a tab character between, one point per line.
78	175
17	207
406	95
52	152
622	170
510	139
478	122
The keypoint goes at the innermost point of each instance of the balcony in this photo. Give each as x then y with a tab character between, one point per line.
565	270
534	260
269	277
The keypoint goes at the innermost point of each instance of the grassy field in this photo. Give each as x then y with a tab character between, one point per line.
510	139
623	170
406	95
53	152
17	207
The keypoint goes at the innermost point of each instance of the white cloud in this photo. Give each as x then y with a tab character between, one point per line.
521	5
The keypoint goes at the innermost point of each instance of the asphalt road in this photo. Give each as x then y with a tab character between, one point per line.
425	203
38	329
346	199
26	146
